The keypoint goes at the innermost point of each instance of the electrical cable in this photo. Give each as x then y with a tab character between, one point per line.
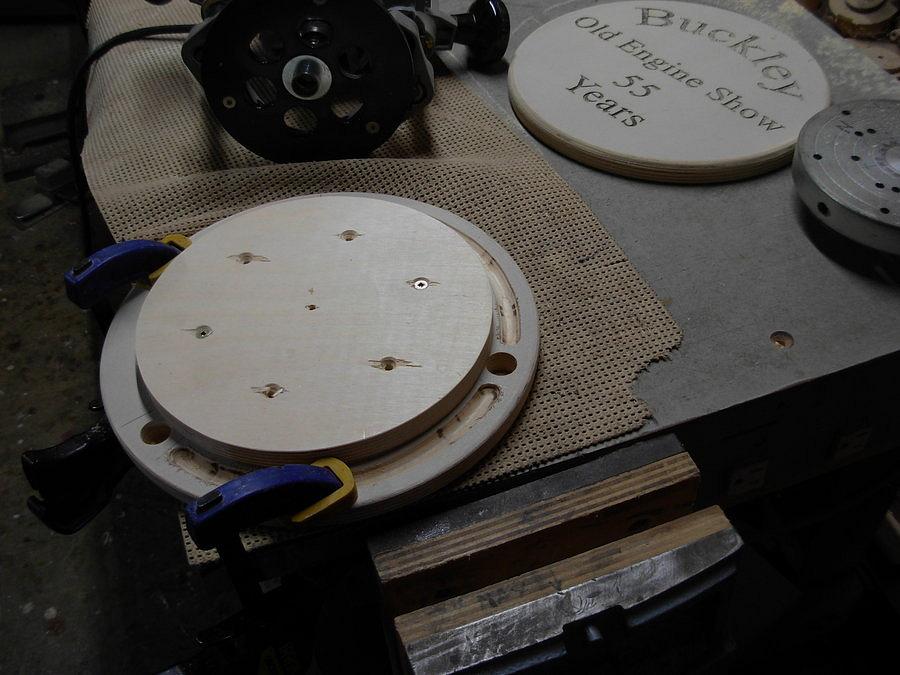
76	112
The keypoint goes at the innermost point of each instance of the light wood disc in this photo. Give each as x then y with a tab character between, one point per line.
669	91
334	325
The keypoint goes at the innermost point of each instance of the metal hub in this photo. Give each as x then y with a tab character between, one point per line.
847	171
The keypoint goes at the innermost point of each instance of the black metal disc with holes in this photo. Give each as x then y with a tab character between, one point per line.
246	75
847	171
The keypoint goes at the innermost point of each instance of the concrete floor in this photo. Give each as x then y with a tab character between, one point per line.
117	596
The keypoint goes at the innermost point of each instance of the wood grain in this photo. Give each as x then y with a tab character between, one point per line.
515	591
522	539
862	24
672	92
384	482
340	326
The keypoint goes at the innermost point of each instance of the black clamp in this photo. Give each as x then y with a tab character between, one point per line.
76	478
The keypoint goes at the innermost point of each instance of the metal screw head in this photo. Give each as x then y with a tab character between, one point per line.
202	332
315	33
420	284
229	102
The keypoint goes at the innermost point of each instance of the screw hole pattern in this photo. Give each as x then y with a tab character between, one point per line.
591	349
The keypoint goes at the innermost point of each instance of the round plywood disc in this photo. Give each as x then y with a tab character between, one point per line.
670	91
853	22
339	326
188	469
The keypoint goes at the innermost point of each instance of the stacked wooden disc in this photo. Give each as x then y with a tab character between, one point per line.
384	331
676	92
336	326
862	18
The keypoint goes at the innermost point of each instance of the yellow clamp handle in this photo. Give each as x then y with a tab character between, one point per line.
180	242
342	498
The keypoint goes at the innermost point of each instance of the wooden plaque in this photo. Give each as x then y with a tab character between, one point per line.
668	91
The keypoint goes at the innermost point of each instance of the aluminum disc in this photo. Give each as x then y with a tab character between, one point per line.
847	171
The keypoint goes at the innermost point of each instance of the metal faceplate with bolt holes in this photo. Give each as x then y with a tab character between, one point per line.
847	171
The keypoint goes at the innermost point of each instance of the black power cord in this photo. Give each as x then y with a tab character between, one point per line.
76	113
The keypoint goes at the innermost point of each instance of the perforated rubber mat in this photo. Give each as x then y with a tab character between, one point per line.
157	162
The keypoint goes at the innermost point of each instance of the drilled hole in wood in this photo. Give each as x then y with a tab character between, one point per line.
782	339
349	235
270	390
246	258
501	363
392	363
154	433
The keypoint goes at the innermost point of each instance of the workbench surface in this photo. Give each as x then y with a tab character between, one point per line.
733	262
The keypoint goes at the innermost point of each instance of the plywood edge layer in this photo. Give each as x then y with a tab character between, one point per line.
509	593
685	173
540	533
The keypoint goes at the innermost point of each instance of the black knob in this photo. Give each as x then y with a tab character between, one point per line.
306	80
484	30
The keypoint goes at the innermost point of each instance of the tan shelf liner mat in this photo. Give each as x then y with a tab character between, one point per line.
157	162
